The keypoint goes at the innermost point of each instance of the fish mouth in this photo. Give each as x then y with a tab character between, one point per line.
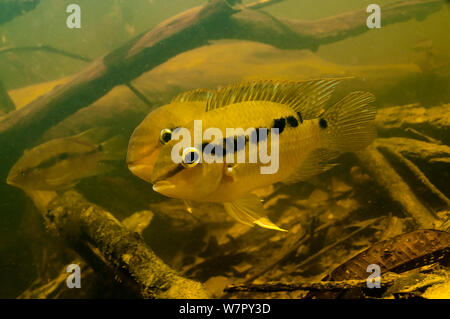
162	186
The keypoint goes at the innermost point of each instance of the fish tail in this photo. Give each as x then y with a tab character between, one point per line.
349	125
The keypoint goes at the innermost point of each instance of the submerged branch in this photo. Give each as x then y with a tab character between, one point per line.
9	9
57	287
261	4
297	243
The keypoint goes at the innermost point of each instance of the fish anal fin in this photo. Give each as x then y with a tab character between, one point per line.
316	162
250	211
188	204
306	97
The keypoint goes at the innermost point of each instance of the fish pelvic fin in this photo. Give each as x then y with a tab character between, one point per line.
349	125
249	210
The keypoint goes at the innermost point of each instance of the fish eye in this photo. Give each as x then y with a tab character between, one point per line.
165	136
190	157
22	173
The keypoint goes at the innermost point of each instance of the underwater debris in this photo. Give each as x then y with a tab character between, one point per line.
387	177
63	162
90	83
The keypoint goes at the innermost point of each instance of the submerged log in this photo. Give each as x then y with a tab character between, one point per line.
81	222
431	122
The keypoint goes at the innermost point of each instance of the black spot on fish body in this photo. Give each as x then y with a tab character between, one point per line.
279	124
292	121
323	123
100	147
300	117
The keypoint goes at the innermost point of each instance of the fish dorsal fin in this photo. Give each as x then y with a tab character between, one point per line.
194	95
307	97
316	162
249	210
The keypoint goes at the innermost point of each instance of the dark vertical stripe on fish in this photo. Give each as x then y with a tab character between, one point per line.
292	121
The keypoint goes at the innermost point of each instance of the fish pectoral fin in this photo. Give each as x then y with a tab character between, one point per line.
249	210
316	162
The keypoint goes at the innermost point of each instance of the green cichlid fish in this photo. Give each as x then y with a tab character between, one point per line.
63	162
301	130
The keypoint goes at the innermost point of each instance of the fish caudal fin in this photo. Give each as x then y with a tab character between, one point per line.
249	210
349	125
